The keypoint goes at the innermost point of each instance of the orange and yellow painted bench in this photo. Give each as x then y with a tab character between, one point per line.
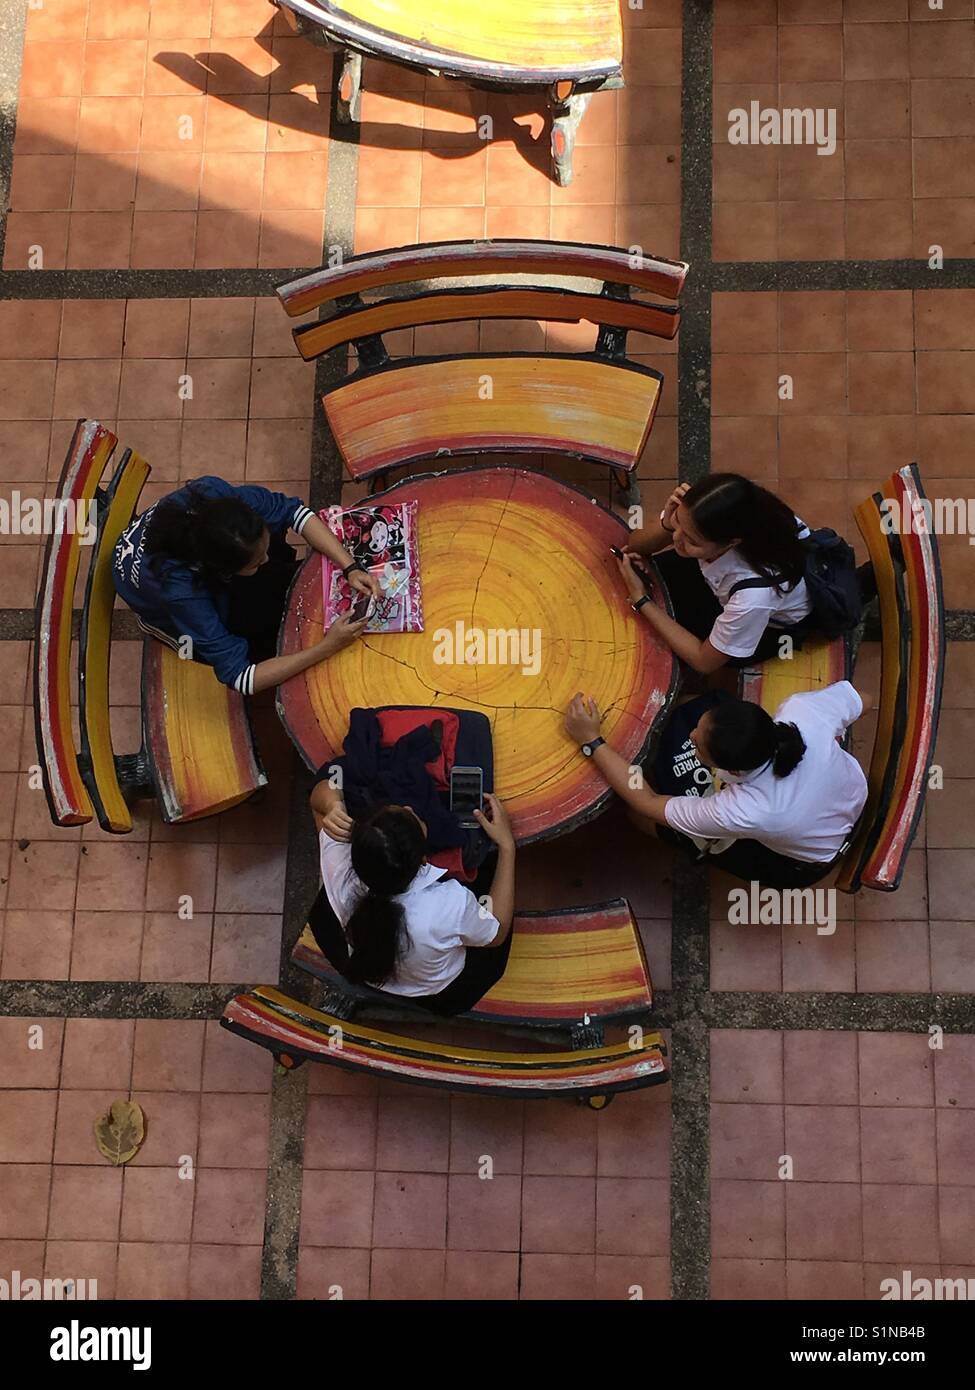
197	754
388	413
566	48
908	574
912	621
296	1033
578	967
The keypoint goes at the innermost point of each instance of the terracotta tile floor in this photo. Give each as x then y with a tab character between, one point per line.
876	379
870	1133
900	79
189	135
199	140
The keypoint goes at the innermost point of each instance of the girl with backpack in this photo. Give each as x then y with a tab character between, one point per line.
208	570
743	572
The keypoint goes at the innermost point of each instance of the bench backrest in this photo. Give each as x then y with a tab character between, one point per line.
296	1032
908	574
358	275
360	323
116	507
596	405
67	796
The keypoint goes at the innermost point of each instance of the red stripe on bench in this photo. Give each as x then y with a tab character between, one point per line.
90	449
541	1072
884	867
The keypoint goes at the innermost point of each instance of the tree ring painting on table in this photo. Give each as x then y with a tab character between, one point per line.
523	606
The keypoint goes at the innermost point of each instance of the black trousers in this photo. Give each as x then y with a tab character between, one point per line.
752	861
696	608
483	966
257	601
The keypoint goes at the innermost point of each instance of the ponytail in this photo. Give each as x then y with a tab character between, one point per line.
387	850
214	536
727	507
742	736
789	749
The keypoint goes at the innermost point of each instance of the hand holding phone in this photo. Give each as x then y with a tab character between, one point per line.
466	794
361	607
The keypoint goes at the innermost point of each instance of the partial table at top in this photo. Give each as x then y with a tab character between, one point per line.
500	548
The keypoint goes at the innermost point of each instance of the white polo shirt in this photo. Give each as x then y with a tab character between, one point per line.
804	816
443	918
744	616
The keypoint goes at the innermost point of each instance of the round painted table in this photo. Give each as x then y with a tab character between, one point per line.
500	549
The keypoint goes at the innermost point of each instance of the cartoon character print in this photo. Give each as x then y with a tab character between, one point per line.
375	537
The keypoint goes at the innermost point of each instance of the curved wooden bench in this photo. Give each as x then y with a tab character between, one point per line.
574	406
571	48
485	302
99	764
197	737
296	1033
595	405
198	752
579	966
356	275
68	798
908	573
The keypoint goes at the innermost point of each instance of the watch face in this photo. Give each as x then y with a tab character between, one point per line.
587	749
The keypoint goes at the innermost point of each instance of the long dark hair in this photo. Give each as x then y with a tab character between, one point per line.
215	536
727	507
742	736
387	850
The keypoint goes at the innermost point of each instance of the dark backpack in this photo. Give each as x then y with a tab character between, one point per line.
831	579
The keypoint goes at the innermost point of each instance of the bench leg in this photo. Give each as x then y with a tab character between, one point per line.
288	1063
628	487
597	1102
338	1003
349	88
134	775
565	124
585	1035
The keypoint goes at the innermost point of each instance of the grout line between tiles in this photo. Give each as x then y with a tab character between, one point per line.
282	1227
690	1204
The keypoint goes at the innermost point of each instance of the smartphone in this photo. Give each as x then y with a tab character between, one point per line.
466	794
615	550
361	607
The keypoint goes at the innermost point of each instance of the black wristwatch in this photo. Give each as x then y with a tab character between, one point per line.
637	604
589	748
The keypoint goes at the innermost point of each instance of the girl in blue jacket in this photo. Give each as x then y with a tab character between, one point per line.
210	563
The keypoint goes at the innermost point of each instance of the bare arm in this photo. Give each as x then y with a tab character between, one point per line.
660	534
281	668
497	827
582	724
328	808
700	655
320	538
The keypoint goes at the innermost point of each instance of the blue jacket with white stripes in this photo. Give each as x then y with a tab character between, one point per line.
172	598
